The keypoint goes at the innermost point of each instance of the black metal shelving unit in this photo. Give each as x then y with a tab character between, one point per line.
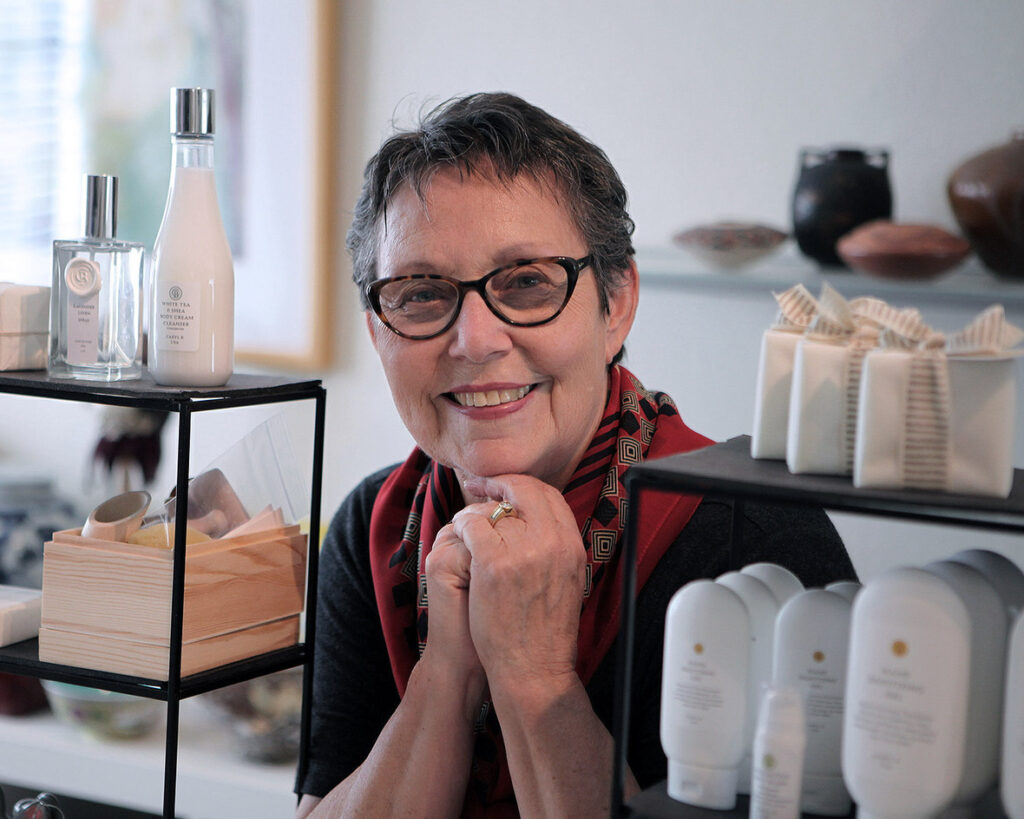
727	469
242	390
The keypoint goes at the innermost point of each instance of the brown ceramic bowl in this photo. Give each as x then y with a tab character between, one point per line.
906	252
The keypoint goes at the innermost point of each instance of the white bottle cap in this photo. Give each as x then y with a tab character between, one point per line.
704	787
824	795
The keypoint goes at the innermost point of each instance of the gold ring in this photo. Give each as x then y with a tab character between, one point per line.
503	510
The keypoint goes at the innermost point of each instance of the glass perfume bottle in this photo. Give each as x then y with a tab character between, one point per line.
192	292
96	297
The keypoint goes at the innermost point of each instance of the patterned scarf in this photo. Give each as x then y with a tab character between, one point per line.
421	496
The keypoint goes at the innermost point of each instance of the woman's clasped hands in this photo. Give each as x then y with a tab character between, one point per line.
505	597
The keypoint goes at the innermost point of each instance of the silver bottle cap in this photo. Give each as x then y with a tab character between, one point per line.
100	218
192	111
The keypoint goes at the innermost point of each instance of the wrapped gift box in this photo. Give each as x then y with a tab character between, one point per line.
24	326
775	372
107	605
941	414
824	395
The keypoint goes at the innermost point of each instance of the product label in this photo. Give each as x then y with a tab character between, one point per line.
83	280
177	316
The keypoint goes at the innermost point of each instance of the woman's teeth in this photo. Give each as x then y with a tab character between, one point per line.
490	398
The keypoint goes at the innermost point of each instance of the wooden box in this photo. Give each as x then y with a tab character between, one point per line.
107	605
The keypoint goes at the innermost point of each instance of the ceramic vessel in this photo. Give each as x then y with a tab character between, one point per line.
986	194
729	245
905	252
838	189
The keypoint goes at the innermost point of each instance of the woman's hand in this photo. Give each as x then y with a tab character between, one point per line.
449	642
527	582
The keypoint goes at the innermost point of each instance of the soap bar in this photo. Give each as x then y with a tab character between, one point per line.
20	611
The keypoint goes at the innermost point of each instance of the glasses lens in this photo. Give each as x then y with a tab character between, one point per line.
418	306
529	293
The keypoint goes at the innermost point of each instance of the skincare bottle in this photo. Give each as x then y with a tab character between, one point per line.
986	677
779	750
192	292
783	583
812	635
1005	576
905	714
1012	780
96	295
846	588
704	693
762	608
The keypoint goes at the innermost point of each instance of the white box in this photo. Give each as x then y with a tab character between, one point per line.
20	611
24	326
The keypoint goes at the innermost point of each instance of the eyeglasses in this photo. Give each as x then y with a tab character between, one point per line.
525	293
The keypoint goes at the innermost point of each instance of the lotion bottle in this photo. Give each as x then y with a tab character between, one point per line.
783	583
812	635
987	670
762	608
847	588
192	289
1012	779
779	752
704	693
905	714
1005	575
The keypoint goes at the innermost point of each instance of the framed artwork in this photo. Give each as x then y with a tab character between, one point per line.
274	69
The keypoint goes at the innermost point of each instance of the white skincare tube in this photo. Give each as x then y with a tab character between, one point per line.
762	608
812	634
986	678
906	695
704	693
847	588
779	749
1005	575
783	583
1012	787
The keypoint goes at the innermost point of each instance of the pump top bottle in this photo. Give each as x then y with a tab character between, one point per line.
96	300
192	288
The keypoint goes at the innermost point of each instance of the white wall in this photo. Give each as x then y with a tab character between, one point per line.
703	106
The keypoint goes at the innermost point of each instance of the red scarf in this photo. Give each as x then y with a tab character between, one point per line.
421	496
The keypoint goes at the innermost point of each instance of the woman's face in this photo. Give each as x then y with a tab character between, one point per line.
485	397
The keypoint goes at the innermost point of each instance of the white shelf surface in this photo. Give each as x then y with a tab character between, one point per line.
39	752
967	285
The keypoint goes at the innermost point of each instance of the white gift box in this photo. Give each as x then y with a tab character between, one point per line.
940	419
817	438
775	372
24	326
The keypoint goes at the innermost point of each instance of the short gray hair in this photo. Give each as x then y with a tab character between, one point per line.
504	135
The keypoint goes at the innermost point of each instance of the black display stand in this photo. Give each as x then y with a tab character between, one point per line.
241	390
727	469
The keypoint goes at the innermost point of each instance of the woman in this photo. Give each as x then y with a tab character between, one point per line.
492	247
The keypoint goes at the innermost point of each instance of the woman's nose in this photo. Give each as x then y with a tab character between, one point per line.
478	333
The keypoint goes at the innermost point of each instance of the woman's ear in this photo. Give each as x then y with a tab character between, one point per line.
622	303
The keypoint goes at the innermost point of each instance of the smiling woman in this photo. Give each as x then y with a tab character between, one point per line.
492	248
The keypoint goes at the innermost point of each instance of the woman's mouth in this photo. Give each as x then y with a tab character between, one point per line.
489	398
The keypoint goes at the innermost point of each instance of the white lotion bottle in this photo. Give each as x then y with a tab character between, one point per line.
847	588
905	714
763	609
1005	575
704	693
987	671
1012	779
812	635
779	752
783	583
192	283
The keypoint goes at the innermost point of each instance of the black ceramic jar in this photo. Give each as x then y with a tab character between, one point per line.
838	189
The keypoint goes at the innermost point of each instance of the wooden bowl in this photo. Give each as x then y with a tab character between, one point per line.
728	245
906	252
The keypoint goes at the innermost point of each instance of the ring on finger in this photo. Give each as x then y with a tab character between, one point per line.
504	509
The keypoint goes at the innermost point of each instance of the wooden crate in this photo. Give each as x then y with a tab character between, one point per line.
107	605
